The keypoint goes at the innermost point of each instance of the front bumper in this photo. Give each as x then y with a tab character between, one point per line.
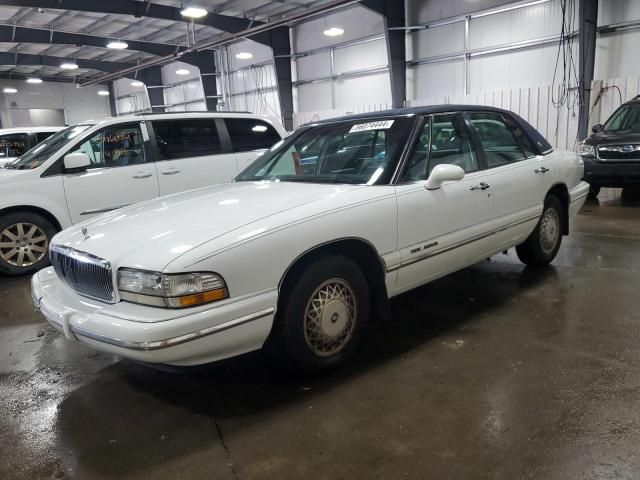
611	173
225	330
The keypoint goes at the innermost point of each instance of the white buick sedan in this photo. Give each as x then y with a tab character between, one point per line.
312	239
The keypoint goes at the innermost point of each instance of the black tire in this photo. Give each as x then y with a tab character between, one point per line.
594	190
11	263
538	250
294	343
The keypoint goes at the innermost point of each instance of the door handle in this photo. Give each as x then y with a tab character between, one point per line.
173	171
482	186
142	175
541	170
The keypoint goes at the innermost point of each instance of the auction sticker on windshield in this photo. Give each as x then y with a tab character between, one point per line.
381	125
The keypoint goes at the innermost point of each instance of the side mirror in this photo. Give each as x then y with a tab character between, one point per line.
76	161
443	173
597	128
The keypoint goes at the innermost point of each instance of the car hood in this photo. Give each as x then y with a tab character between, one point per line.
7	172
4	161
604	138
151	234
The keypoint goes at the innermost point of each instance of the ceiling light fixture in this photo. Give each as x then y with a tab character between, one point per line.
34	80
10	90
137	83
333	32
103	93
244	55
193	12
182	71
117	45
69	66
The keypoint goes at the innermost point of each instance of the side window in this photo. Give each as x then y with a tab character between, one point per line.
13	145
117	146
416	168
248	134
42	136
522	138
186	138
498	141
450	143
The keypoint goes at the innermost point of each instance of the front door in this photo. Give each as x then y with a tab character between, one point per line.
437	228
121	173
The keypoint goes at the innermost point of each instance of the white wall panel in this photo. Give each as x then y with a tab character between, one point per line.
369	89
616	55
616	11
435	79
261	53
362	56
437	41
314	96
313	66
420	11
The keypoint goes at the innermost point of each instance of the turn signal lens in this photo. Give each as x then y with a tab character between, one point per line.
197	299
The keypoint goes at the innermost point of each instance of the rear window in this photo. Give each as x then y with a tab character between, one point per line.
186	138
13	145
248	134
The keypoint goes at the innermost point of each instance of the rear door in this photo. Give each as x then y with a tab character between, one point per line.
250	138
190	154
518	180
121	173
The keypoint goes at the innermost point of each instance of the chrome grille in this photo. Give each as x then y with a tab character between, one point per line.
86	274
620	153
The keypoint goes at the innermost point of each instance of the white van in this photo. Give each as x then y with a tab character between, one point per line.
99	166
16	141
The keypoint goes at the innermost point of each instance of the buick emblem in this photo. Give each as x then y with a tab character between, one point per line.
627	148
85	233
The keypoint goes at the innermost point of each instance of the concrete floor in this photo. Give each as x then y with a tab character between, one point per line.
495	372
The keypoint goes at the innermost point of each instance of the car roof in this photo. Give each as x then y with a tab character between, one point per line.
4	131
541	143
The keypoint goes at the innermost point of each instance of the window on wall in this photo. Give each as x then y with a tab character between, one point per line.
13	145
186	138
499	142
248	134
117	146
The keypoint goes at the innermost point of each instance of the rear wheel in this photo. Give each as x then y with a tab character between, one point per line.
544	242
24	243
594	190
321	316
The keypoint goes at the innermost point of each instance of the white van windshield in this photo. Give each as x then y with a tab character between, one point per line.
43	151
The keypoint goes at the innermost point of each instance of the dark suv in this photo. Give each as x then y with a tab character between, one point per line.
612	153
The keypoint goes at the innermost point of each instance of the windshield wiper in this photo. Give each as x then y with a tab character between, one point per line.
10	166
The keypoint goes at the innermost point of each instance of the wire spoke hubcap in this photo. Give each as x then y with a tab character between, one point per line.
23	244
549	230
330	317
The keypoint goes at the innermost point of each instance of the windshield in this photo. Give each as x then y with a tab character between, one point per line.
626	118
357	152
43	151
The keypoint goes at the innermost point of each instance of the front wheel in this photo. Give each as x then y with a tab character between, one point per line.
542	246
24	243
321	316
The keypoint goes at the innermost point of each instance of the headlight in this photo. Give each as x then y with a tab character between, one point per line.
170	290
586	150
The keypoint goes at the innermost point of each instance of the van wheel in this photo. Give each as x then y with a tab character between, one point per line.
544	242
24	243
321	316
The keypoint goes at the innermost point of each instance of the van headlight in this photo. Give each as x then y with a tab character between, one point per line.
585	150
170	290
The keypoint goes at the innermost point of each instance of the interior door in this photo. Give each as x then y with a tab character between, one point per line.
190	155
121	173
437	229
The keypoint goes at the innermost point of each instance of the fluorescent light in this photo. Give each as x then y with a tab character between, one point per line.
244	55
10	90
34	80
259	128
334	32
137	83
117	45
68	66
103	93
193	12
182	71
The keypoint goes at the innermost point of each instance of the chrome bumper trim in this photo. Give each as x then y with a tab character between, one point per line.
169	342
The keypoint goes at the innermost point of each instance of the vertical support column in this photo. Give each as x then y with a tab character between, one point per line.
152	77
204	60
394	17
112	100
588	23
467	58
281	46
